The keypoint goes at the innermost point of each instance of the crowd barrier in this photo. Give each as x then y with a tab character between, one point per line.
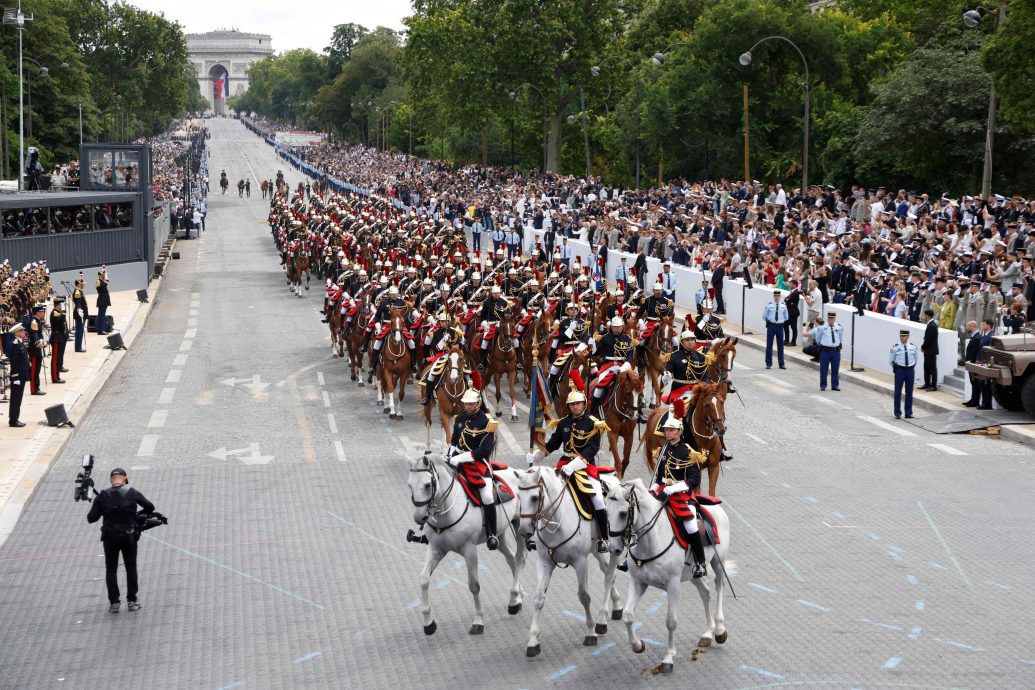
867	339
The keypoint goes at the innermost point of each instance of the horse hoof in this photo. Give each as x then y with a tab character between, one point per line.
499	413
533	651
430	628
385	411
477	629
361	384
616	615
306	287
600	628
590	641
704	642
666	668
513	418
641	649
391	416
399	417
721	637
334	355
514	609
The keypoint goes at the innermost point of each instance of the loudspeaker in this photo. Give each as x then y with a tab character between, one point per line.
158	269
142	295
91	323
176	255
56	416
115	341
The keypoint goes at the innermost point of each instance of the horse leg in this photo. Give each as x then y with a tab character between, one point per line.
497	378
513	395
713	468
609	567
719	628
626	450
671	621
582	573
381	395
706	599
471	557
402	395
431	561
612	445
390	386
544	570
632	600
515	556
427	430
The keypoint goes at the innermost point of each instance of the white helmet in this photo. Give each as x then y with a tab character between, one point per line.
555	274
393	291
687	335
583	278
672	423
533	283
496	289
471	397
567	289
617	321
707	304
384	280
659	286
476	275
363	272
575	396
411	269
460	274
444	286
427	282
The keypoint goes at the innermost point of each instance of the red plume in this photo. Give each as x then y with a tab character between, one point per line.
576	380
679	408
476	380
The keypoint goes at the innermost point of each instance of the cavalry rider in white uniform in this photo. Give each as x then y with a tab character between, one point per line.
470	451
578	437
677	473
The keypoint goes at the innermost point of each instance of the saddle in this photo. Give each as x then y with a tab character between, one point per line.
582	492
705	522
472	479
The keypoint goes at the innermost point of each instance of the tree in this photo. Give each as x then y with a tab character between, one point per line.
1008	56
283	86
343	39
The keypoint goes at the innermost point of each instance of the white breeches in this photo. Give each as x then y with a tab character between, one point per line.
487	494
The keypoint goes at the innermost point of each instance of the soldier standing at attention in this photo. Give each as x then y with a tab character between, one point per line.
81	313
903	361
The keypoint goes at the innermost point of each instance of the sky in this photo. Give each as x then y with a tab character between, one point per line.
294	24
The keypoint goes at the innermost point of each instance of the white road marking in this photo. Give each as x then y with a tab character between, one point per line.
333	424
948	449
773	388
756	439
339	449
190	333
319	377
192	312
827	401
186	345
166	396
509	437
158	418
326	399
192	322
180	360
174	376
773	379
884	425
195	295
194	304
147	445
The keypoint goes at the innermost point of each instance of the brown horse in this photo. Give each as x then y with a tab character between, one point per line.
296	266
657	350
503	361
705	421
620	413
534	339
265	187
451	387
578	361
334	323
353	335
393	367
722	352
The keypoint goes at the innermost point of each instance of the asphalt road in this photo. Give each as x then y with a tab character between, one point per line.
866	552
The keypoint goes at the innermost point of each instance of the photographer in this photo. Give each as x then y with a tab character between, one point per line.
119	534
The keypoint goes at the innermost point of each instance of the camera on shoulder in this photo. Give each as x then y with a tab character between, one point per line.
83	480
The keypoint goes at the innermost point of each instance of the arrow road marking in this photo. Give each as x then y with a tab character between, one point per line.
253	458
254	384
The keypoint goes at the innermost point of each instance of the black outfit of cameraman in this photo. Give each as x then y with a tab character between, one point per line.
119	534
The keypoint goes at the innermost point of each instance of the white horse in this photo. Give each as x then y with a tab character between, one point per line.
638	522
453	524
563	538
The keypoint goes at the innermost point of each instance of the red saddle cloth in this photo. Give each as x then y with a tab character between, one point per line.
678	509
472	476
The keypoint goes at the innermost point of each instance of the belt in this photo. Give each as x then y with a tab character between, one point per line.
903	366
685	383
829	348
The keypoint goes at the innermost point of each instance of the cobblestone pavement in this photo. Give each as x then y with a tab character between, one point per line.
866	553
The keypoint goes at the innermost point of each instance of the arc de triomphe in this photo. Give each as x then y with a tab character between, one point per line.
222	57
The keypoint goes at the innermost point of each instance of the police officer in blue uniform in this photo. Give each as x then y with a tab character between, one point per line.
775	316
829	338
903	361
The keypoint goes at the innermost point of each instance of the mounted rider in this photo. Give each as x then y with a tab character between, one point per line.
578	437
495	309
440	338
677	473
470	452
382	323
614	350
572	333
709	326
687	367
653	311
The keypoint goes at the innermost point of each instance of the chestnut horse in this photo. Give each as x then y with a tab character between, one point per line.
503	362
296	266
621	414
705	420
393	368
451	387
578	361
656	351
353	334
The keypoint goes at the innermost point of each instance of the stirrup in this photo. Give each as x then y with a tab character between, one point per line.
492	542
530	544
415	538
601	546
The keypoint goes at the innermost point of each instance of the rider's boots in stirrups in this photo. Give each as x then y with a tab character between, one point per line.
697	551
601	518
365	343
726	455
489	517
374	358
414	371
483	362
413	537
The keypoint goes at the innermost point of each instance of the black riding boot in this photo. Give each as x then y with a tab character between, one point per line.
697	552
483	363
726	455
489	516
374	358
601	518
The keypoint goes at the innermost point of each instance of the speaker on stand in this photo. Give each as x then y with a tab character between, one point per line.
115	341
56	416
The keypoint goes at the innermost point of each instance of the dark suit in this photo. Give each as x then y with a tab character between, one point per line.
930	350
718	273
640	267
980	388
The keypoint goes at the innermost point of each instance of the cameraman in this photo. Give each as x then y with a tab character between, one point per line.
119	534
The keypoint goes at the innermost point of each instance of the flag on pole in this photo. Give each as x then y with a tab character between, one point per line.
537	409
598	279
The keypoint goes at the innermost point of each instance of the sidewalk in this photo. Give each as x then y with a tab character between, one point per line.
937	401
26	454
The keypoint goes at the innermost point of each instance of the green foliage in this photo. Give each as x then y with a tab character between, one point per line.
1009	57
283	86
343	39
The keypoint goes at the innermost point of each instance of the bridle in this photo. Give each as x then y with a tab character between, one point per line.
631	538
620	388
715	422
434	502
543	516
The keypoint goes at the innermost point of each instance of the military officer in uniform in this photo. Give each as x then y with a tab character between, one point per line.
829	338
58	338
438	341
775	316
470	450
103	301
709	326
614	349
37	343
686	367
81	312
494	310
903	361
578	437
678	473
20	372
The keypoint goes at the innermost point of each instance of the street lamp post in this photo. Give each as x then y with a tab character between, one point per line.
16	17
745	59
410	129
971	19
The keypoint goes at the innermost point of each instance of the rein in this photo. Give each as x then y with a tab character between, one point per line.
632	538
434	501
545	515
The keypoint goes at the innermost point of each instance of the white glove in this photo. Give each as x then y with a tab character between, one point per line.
414	314
462	458
451	451
535	457
483	324
574	466
569	333
442	345
676	488
666	378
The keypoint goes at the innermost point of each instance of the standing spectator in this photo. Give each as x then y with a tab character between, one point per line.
814	302
903	362
980	388
103	301
930	349
82	312
790	334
